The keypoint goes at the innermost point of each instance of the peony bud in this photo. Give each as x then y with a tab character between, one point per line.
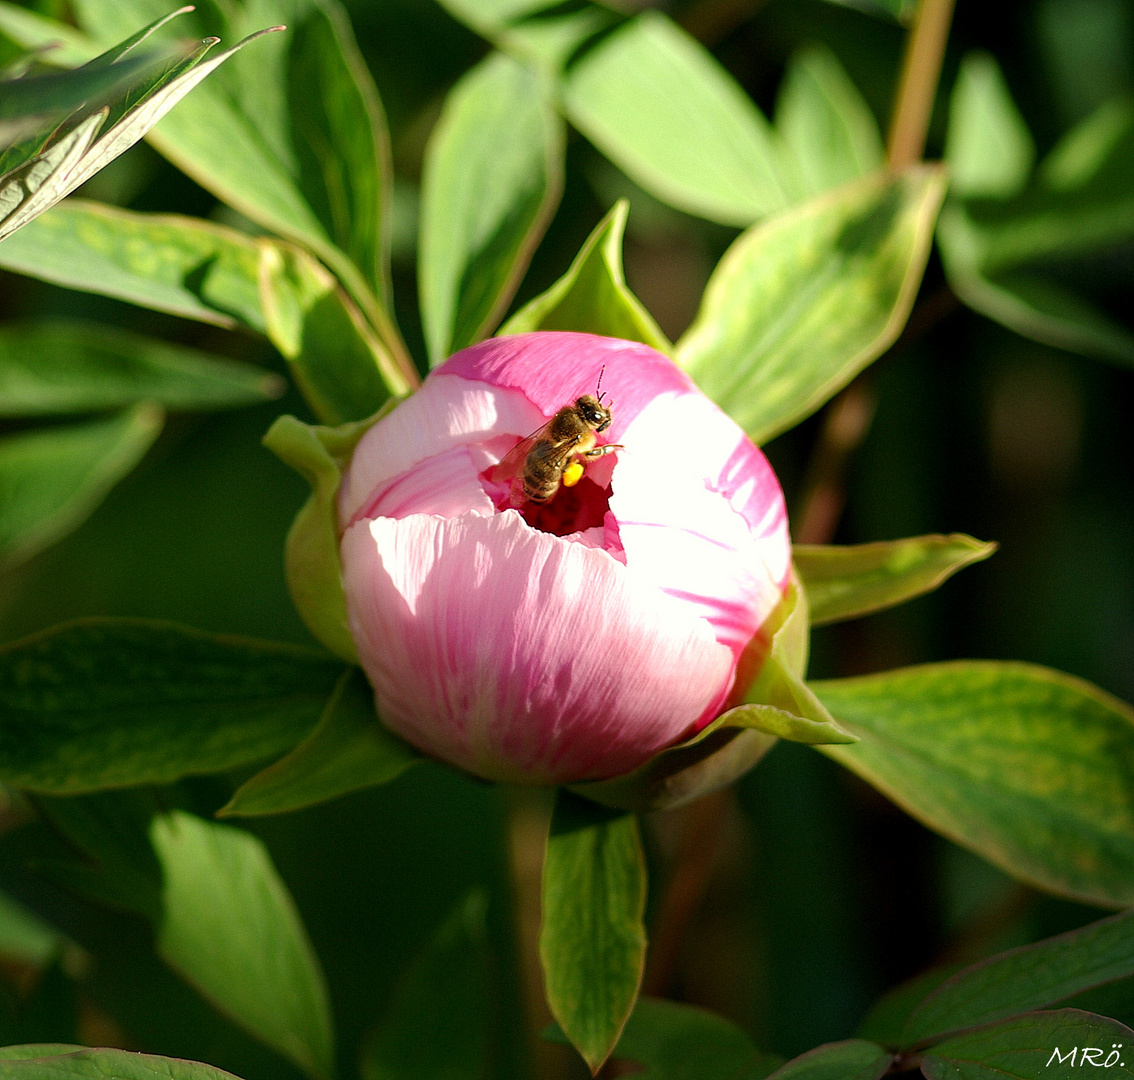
573	639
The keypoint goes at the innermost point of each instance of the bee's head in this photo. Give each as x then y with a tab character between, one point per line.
594	412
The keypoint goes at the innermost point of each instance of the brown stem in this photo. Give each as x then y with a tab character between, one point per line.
845	425
685	887
917	85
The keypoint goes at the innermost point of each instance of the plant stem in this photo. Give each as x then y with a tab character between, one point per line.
529	814
845	424
917	85
699	829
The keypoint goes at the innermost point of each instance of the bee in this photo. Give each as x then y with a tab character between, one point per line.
557	453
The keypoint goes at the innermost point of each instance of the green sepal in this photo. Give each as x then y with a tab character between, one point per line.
338	360
592	297
311	553
779	702
846	582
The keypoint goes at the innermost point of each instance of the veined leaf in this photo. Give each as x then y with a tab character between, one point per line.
592	942
1026	766
348	751
35	104
801	303
1026	978
343	368
54	368
493	173
659	105
107	703
167	262
1028	1047
294	138
65	164
671	1041
230	927
52	479
853	1059
54	1061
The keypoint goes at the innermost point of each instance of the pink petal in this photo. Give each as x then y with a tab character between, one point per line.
702	517
447	412
521	656
553	368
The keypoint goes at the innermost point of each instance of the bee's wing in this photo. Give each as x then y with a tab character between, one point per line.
512	463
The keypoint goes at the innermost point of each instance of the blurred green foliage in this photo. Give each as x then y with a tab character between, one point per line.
825	894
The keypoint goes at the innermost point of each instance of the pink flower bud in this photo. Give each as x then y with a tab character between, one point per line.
570	640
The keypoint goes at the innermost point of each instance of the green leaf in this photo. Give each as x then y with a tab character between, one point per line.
592	942
339	136
492	177
998	253
110	831
544	33
1024	1048
898	10
52	479
661	107
292	136
112	702
66	367
52	1061
1030	977
35	104
230	927
69	47
1026	766
800	304
446	992
311	555
117	83
24	936
853	1059
344	370
182	265
671	1041
348	751
825	122
592	297
886	1018
46	178
845	582
988	147
1025	300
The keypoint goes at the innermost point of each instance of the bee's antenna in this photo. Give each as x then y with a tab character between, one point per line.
598	385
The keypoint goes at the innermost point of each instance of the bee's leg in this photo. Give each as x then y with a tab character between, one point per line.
573	472
600	451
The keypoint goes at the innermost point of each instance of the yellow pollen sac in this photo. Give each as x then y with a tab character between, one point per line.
572	474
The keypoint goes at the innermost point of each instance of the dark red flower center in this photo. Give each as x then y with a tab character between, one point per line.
570	509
